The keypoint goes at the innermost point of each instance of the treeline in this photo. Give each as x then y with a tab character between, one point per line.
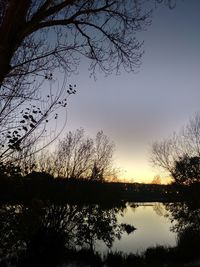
80	169
41	185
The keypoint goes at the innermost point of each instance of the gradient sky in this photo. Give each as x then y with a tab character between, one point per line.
136	109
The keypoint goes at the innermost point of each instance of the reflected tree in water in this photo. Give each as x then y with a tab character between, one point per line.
159	209
10	243
42	233
184	215
98	224
186	222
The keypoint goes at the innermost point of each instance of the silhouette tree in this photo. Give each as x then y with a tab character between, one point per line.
179	155
78	156
96	174
9	170
103	156
39	233
187	170
74	155
156	180
24	124
185	218
100	30
52	36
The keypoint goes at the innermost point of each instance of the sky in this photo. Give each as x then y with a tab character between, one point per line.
136	109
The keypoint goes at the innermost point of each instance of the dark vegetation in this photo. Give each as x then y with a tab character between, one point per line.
52	37
179	155
80	170
46	234
45	187
47	221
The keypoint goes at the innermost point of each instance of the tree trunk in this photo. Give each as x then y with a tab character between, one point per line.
12	26
4	65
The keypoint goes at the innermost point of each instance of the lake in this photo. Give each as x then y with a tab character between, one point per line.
152	228
55	229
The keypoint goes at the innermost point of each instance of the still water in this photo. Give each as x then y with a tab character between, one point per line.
152	228
126	228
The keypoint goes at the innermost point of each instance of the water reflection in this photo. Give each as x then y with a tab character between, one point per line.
186	216
42	232
39	234
153	228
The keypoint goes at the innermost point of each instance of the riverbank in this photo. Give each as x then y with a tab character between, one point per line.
153	257
45	187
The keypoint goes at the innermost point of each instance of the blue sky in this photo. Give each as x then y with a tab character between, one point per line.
136	109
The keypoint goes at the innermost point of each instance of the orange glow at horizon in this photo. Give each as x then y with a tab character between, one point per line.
140	173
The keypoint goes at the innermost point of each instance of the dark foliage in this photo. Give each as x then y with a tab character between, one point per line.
44	234
41	233
43	186
187	170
